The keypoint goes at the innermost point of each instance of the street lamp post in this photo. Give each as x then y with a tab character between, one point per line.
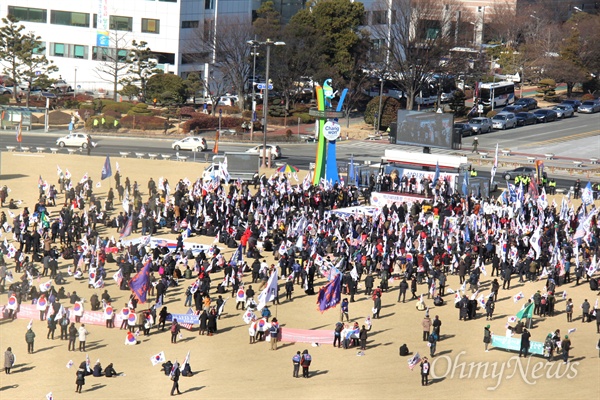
75	86
267	43
254	54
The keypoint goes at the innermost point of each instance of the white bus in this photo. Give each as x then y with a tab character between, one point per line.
500	93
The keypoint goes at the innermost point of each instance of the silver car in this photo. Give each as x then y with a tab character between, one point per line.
481	125
504	121
564	110
589	107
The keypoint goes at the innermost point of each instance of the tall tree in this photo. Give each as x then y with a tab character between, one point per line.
167	88
141	65
267	24
416	41
113	60
22	57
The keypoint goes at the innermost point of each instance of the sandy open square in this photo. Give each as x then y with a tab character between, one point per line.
227	367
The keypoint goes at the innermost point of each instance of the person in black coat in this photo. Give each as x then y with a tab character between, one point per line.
403	288
369	281
212	322
203	322
524	342
175	373
97	372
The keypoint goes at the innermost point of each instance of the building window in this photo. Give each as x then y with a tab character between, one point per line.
121	23
189	24
69	18
28	14
69	50
209	4
191	58
165	58
150	25
108	54
58	50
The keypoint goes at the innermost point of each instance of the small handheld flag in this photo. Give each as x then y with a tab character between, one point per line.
158	358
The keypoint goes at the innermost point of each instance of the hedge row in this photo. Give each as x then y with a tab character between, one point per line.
210	122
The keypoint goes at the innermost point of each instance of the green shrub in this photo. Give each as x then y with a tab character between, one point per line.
389	111
121	108
71	104
86	106
5	99
143	122
211	122
113	113
140	109
305	118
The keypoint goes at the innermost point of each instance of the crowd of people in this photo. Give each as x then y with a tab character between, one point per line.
419	245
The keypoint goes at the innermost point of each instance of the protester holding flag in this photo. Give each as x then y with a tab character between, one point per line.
80	377
174	375
424	372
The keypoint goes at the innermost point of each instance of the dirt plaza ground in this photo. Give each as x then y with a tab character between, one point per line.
226	366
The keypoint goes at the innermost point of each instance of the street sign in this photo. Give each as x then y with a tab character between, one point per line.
49	95
331	130
262	86
480	108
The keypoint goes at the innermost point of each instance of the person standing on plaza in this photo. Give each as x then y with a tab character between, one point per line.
72	336
377	305
80	377
175	373
51	321
424	372
305	362
9	360
585	309
344	310
437	326
64	327
82	332
29	339
174	331
274	332
432	343
362	335
565	346
426	324
487	337
569	310
403	289
525	343
296	362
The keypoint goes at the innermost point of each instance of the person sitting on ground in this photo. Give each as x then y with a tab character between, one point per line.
97	372
187	370
109	371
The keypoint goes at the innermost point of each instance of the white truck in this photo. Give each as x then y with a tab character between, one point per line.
241	166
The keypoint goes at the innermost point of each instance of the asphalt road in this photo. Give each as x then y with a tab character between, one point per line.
577	137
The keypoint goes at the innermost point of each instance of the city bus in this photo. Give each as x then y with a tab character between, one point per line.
500	93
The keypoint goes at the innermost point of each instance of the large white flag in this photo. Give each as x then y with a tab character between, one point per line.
268	293
494	167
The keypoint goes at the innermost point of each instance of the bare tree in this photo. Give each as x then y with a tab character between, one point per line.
231	55
113	65
416	39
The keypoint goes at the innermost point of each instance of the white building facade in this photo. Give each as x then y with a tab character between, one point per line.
172	28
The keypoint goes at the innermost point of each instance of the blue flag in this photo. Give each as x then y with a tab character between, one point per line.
351	172
128	228
106	169
237	257
467	234
465	184
330	294
436	176
140	283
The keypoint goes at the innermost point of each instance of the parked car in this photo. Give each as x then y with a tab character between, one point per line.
589	107
515	108
75	140
564	110
504	121
546	115
308	139
463	129
193	143
481	125
527	103
573	103
228	101
510	175
275	150
525	118
61	85
5	90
